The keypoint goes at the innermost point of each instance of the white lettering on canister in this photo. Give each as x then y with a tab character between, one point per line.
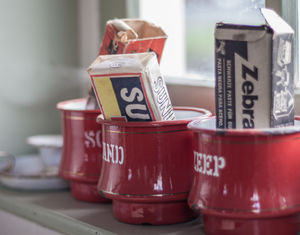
112	153
92	139
207	164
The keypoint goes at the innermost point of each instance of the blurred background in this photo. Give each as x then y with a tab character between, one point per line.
40	64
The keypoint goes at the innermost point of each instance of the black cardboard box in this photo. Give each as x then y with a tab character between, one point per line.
254	74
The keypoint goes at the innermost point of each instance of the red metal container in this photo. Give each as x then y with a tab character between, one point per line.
246	181
146	168
81	154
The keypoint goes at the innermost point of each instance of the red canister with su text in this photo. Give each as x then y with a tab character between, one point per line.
81	155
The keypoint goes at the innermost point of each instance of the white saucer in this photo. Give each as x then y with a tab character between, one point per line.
29	173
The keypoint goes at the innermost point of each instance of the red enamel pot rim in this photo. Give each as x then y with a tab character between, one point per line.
66	105
203	113
208	125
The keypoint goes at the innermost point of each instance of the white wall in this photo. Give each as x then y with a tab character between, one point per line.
38	67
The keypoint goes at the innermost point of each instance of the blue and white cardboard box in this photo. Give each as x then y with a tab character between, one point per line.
254	73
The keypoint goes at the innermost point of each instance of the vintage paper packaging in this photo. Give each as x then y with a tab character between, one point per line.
254	74
124	36
130	87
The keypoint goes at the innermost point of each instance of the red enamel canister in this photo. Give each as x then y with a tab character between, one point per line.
146	168
246	181
81	154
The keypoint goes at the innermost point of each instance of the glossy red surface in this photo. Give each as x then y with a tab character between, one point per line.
152	213
284	225
81	154
86	192
145	165
247	179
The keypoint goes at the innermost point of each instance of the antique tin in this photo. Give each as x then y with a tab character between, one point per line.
81	154
246	181
146	168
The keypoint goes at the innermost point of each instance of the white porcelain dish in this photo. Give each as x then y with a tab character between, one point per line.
50	147
54	141
29	173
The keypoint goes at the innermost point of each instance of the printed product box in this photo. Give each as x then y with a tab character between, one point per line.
124	36
130	87
254	74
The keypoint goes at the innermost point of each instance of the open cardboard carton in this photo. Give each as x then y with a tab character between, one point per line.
124	36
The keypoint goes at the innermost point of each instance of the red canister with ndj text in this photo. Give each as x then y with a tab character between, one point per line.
246	181
146	168
81	155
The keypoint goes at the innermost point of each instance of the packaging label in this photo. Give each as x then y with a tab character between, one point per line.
131	88
226	53
283	103
243	83
163	100
254	74
123	96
